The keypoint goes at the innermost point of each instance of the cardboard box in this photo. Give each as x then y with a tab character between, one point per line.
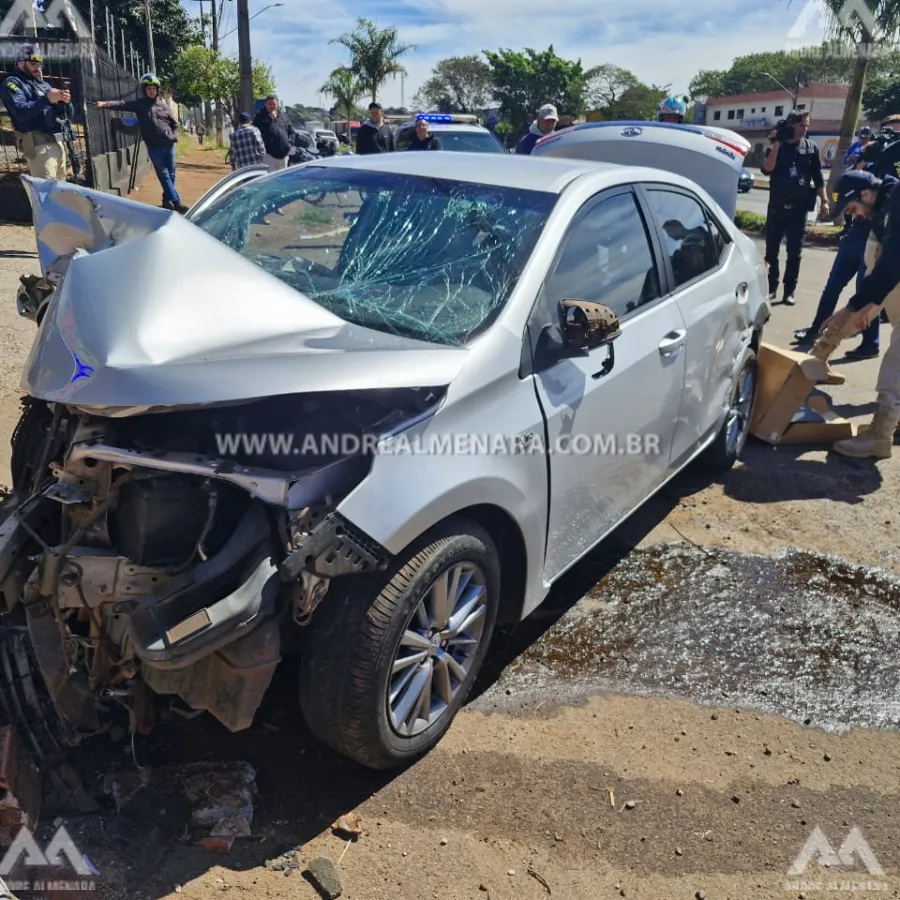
785	413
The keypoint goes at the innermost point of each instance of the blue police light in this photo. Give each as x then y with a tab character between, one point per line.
434	117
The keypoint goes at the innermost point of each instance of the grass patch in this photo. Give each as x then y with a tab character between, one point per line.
312	216
750	222
755	224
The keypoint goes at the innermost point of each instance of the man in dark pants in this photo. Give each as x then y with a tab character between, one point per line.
862	194
159	129
277	134
795	171
882	159
375	135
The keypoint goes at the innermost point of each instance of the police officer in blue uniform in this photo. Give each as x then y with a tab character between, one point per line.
36	110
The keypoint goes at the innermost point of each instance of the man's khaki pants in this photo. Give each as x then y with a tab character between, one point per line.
46	156
888	385
276	165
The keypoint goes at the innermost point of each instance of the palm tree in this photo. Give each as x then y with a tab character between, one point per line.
345	89
848	22
374	54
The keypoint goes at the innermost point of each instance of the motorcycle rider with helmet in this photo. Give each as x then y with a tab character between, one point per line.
672	109
159	129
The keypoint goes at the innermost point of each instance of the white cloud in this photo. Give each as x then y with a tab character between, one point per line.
661	42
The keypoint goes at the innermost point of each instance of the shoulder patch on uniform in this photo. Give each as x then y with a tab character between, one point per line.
12	86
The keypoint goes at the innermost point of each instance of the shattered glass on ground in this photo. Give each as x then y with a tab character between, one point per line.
424	258
802	635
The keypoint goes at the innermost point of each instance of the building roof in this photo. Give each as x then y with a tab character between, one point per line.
816	90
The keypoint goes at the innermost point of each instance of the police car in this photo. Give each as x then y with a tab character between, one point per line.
458	132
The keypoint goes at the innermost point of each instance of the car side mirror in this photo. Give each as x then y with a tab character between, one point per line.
587	325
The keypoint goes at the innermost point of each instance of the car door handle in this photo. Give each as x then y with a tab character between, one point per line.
672	343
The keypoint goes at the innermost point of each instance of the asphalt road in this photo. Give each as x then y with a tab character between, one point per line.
754	200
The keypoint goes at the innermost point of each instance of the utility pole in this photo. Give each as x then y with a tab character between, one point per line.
220	125
245	60
150	37
93	41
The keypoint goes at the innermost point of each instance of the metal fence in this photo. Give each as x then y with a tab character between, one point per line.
91	75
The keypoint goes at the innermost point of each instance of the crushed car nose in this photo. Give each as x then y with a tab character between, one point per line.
201	610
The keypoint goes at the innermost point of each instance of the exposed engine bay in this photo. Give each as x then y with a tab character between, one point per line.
143	561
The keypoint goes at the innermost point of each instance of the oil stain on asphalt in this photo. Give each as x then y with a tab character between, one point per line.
801	635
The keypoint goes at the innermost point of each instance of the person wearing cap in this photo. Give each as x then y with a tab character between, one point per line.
544	124
856	246
852	156
247	146
277	133
159	130
375	135
36	110
882	156
863	194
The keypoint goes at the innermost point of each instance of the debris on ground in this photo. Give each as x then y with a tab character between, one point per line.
540	879
323	876
285	862
350	824
20	782
215	798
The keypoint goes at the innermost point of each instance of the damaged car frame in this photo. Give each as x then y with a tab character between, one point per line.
187	503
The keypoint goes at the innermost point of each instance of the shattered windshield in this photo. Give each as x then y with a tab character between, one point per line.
425	258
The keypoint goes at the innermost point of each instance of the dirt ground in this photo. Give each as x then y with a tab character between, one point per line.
617	795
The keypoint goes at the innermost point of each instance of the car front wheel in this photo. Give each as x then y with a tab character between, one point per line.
387	664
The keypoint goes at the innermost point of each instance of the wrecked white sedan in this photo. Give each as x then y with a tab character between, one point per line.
378	404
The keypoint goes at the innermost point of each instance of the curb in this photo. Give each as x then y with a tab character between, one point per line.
810	240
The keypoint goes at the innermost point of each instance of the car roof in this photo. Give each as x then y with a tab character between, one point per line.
549	174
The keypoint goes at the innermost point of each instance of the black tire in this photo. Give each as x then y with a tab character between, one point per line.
722	453
353	639
27	443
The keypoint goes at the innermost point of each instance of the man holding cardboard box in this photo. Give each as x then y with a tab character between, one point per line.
860	193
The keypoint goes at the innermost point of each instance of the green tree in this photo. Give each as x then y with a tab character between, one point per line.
708	83
173	31
882	97
879	28
639	101
201	74
605	85
620	94
526	80
197	75
458	84
344	88
263	84
832	61
374	54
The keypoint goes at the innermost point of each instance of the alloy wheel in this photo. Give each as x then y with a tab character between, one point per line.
738	422
437	649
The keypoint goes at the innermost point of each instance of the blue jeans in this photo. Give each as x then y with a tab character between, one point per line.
163	159
849	261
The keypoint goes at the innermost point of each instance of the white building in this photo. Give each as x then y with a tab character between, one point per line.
755	115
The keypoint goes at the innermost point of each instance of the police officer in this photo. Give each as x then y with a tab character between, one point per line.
861	193
36	110
794	168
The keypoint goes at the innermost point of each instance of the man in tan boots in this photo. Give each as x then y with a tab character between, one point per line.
860	193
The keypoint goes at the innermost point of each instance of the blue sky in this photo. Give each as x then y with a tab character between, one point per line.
661	41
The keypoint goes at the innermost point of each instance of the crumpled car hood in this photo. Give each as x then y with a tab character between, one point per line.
153	312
